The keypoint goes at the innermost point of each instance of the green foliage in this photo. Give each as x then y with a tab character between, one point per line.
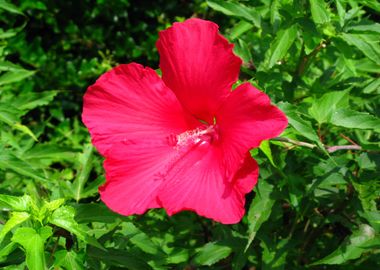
316	205
353	247
260	209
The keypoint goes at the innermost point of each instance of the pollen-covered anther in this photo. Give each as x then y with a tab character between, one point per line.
205	134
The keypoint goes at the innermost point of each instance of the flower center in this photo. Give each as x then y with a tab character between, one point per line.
201	135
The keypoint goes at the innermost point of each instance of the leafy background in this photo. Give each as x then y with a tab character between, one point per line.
317	202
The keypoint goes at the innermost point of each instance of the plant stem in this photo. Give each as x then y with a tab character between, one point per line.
298	143
329	149
332	149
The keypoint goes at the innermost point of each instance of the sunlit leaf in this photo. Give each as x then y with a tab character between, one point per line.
211	253
265	147
33	241
319	11
140	239
323	108
353	119
299	123
68	260
281	44
16	219
240	28
64	217
10	7
368	44
30	101
17	203
14	76
236	9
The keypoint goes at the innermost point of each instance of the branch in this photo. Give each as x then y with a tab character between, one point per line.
329	149
305	59
287	140
332	149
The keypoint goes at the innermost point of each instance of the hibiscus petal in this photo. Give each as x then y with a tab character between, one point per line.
134	174
136	171
130	103
198	64
197	183
245	119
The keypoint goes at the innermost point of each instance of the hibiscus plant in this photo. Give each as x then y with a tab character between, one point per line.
189	134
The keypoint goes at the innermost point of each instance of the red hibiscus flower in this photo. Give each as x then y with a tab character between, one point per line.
180	142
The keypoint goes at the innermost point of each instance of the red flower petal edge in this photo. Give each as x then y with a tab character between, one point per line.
180	142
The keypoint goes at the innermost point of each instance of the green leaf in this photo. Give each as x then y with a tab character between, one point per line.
11	32
353	119
9	66
366	161
68	260
140	239
373	27
323	108
29	101
260	209
367	44
274	254
10	7
366	65
92	188
239	29
16	219
25	129
48	153
353	247
373	218
319	11
367	195
84	173
265	148
374	4
16	203
211	253
242	50
33	242
120	258
8	161
236	9
64	217
9	114
15	76
275	17
341	12
298	123
373	86
6	250
52	205
281	44
95	212
177	256
311	37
